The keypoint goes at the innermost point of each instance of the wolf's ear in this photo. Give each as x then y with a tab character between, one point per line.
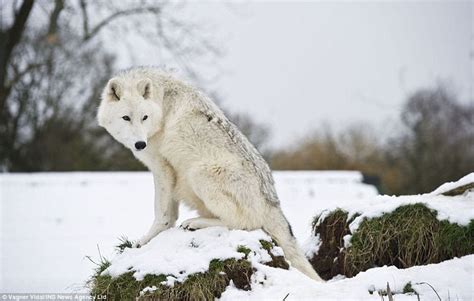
144	88
113	90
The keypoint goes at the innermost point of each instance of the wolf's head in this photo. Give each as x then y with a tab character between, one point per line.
130	110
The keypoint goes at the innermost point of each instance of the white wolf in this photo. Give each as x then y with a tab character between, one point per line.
196	155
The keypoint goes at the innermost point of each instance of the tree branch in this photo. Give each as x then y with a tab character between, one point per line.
118	14
85	18
53	20
22	73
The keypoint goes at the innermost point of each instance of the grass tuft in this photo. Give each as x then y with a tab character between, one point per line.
245	250
410	235
267	245
124	243
408	289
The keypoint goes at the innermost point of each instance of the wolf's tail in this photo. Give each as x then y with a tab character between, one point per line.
279	229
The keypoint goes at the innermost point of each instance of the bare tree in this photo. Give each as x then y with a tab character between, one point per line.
53	64
438	145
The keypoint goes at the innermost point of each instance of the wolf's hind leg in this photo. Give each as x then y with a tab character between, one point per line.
201	222
228	196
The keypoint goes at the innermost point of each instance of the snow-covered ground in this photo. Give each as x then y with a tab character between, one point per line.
179	253
452	280
50	222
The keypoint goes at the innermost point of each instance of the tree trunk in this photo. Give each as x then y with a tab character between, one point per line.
8	40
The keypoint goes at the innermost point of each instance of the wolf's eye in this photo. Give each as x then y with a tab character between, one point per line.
145	117
126	118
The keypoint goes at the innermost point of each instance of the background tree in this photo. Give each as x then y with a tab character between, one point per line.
54	63
353	148
435	145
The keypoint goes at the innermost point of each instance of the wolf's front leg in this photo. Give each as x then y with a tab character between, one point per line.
166	209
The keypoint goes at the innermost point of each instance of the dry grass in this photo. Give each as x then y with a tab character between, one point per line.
410	235
459	190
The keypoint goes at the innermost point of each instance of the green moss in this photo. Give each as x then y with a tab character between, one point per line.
408	289
267	245
244	249
408	236
216	265
455	240
276	261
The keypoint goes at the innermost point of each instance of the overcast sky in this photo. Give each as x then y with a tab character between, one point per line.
295	66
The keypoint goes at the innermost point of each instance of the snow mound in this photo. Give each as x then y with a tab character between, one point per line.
455	209
184	265
409	236
179	253
403	231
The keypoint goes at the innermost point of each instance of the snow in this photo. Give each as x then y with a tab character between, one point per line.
451	185
148	289
51	221
452	280
457	209
311	246
180	253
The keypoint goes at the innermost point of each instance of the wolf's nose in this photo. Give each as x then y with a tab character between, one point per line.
140	145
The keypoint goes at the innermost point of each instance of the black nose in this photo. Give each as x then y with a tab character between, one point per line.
140	145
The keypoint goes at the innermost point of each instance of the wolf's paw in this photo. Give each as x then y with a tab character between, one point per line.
141	242
201	223
190	225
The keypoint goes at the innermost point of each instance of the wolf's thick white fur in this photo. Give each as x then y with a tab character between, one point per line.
196	156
